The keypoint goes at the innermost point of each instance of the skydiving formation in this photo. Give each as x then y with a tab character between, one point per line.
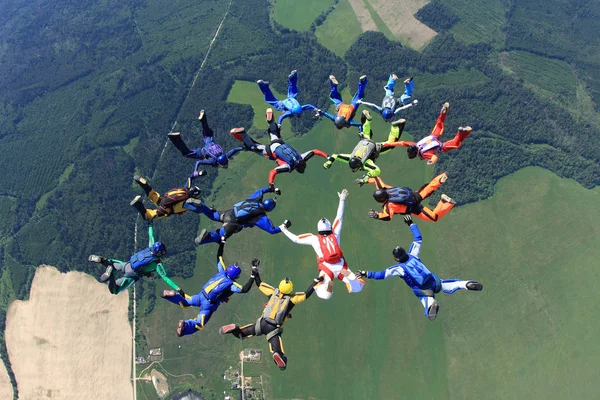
215	291
423	282
210	154
285	156
345	112
391	105
332	263
290	107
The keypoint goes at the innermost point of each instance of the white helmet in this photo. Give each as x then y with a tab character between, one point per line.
324	226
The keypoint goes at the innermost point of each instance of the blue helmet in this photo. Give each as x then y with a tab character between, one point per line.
159	249
269	204
297	110
233	271
223	161
387	113
339	122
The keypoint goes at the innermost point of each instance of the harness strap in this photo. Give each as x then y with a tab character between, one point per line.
326	270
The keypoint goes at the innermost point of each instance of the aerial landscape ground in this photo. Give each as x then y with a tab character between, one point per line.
95	104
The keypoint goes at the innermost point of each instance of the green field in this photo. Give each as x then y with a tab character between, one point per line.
482	21
340	29
299	14
530	249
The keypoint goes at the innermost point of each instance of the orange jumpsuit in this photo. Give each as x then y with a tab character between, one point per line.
427	214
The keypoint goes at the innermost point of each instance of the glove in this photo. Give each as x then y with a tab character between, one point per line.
360	182
277	191
287	223
408	220
328	163
255	263
343	195
181	292
361	274
373	214
223	239
319	279
201	172
317	114
271	188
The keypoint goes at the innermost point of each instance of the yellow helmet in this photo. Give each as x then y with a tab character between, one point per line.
286	286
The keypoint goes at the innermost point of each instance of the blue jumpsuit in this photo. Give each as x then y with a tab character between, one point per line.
389	101
423	282
215	291
336	99
234	220
287	105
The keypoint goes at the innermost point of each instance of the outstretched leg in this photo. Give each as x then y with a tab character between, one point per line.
334	95
430	305
284	167
209	237
435	183
396	130
450	286
276	348
455	143
364	130
175	138
438	129
293	84
206	131
360	93
269	96
409	88
389	87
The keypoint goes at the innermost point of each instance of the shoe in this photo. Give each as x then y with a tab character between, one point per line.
367	115
467	129
180	328
474	286
279	361
169	134
261	82
201	116
433	310
448	199
294	72
96	259
168	293
269	115
408	80
399	122
362	78
140	179
106	275
333	80
444	177
225	329
445	108
395	77
203	235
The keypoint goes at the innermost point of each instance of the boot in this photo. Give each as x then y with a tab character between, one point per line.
448	199
269	115
139	206
366	115
465	129
333	80
106	275
180	328
280	361
433	310
362	78
445	108
168	293
96	259
143	182
202	115
230	328
203	235
474	286
444	177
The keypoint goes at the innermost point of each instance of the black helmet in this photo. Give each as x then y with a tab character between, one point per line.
412	151
339	122
195	192
300	166
381	195
400	254
355	164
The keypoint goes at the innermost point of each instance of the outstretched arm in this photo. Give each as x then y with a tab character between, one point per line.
372	106
150	235
220	263
327	115
305	238
231	153
308	107
377	181
395	270
414	103
259	194
163	274
266	225
339	216
415	247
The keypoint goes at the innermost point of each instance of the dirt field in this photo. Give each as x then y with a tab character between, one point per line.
399	17
6	391
363	16
70	340
160	383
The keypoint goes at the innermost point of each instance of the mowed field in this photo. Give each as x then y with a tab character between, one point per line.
6	390
70	340
528	333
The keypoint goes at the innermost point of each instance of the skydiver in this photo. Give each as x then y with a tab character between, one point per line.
290	106
345	112
215	291
424	283
248	213
142	263
287	158
391	105
330	257
366	152
276	311
210	154
430	146
403	200
175	201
